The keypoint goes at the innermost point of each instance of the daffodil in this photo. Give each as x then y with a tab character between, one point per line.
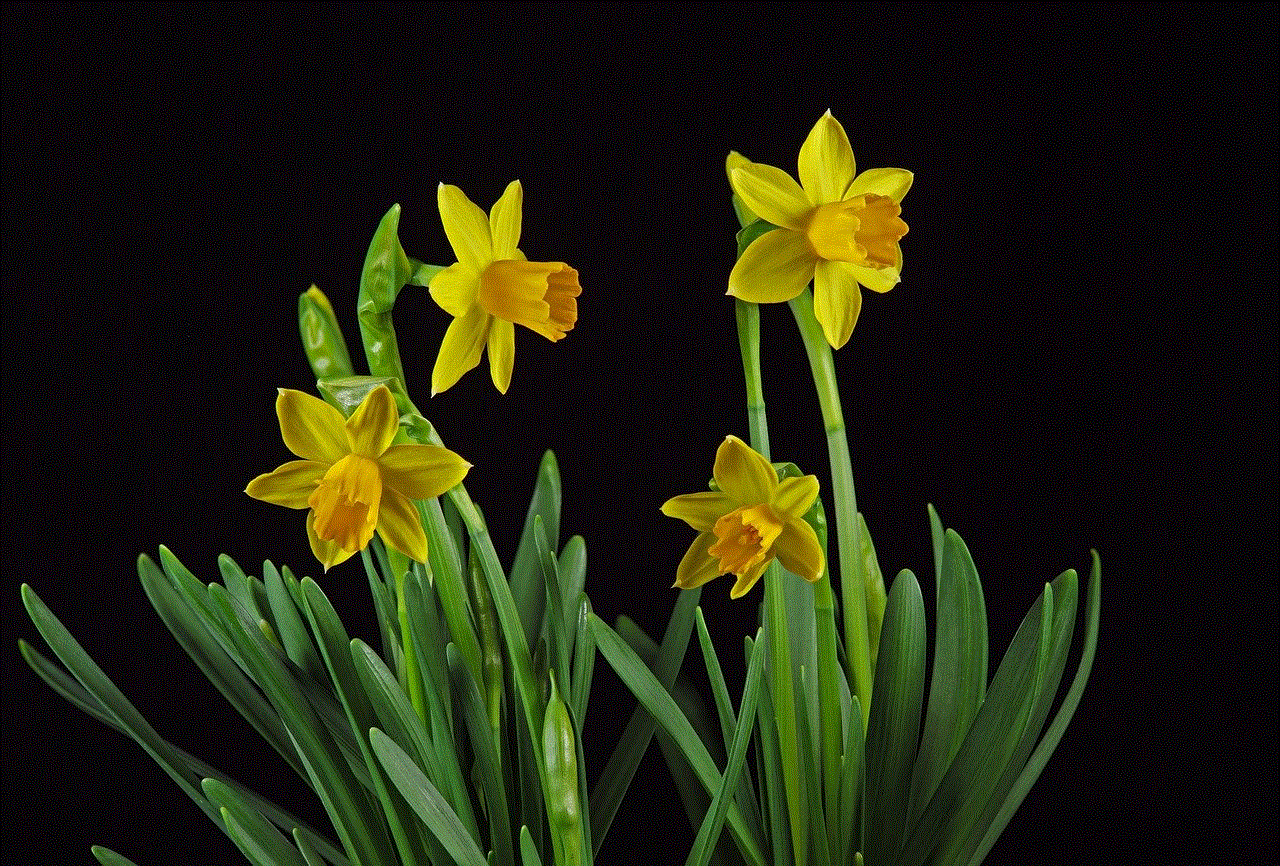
835	227
492	288
749	521
352	478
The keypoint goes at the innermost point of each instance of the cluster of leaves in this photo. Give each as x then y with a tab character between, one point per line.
398	786
927	782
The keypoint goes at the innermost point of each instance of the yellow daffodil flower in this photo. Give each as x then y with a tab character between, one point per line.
352	478
835	228
749	521
492	288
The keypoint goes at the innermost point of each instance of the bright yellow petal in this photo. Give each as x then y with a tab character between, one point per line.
799	551
310	427
466	227
794	496
373	425
743	474
826	162
290	485
504	221
400	526
502	353
891	182
697	567
454	289
772	194
732	161
877	279
329	553
345	502
460	349
837	299
775	268
421	471
748	579
699	510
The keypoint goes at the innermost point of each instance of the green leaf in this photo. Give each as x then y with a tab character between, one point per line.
959	681
527	586
488	768
289	625
607	795
1053	735
987	747
769	762
572	570
709	832
584	664
253	834
748	234
655	699
112	699
894	720
528	851
558	639
426	801
107	857
853	781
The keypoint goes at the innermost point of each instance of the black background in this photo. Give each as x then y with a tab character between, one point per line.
1082	352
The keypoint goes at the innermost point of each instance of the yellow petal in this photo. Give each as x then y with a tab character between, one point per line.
794	496
541	296
877	279
743	474
775	268
290	485
748	579
454	289
466	227
421	471
837	299
732	161
373	425
310	427
329	553
502	353
799	551
772	194
697	567
460	349
400	526
504	221
891	182
699	510
826	162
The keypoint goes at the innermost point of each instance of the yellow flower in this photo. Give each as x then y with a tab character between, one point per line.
492	288
835	228
352	478
751	519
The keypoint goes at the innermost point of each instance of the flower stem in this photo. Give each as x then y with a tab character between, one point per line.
853	589
782	685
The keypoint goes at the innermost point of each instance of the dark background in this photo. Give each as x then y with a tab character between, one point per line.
1082	352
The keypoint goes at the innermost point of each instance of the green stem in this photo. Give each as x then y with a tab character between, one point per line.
411	673
853	584
783	686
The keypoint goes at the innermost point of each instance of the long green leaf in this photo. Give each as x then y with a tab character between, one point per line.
487	767
894	720
253	834
107	857
984	754
1053	735
656	700
426	801
527	587
709	832
959	681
